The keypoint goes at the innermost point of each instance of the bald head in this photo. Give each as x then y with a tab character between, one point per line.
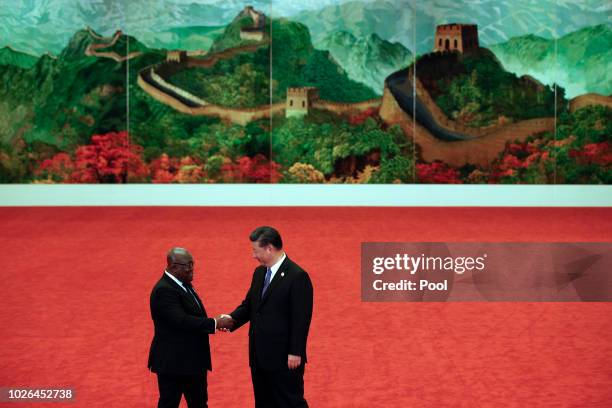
180	264
177	254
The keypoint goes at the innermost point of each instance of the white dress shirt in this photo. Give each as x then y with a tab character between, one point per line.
176	280
277	265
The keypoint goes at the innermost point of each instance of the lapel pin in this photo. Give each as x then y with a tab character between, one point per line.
282	274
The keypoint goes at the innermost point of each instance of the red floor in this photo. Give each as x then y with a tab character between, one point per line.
76	284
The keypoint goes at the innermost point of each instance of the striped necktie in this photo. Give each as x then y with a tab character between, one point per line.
267	281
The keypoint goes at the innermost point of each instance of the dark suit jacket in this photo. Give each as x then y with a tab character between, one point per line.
280	321
180	344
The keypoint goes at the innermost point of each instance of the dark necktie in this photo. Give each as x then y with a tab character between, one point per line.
190	290
267	281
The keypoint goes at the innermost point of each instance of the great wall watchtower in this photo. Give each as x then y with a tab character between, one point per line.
456	37
256	31
176	56
299	100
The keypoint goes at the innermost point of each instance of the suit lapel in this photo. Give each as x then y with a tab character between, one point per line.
200	305
278	276
259	281
185	293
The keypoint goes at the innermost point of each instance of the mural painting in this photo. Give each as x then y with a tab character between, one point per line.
328	91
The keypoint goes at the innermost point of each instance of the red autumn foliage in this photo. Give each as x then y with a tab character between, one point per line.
59	167
511	162
593	153
522	149
111	159
108	159
361	117
255	169
167	169
437	173
191	171
520	155
164	169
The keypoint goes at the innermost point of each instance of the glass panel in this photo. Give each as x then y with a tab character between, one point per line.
477	120
199	93
329	65
581	68
62	93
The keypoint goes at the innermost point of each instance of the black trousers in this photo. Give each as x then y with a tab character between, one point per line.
173	386
279	389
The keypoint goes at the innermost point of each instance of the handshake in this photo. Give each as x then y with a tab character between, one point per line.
225	323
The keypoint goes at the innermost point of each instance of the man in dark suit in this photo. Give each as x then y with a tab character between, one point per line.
278	306
180	352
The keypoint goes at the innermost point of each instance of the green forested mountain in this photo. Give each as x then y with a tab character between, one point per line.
368	59
297	63
580	61
9	56
475	89
244	80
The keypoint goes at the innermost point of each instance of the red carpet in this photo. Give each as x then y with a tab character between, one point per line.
76	283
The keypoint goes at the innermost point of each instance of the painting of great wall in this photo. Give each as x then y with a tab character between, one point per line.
271	92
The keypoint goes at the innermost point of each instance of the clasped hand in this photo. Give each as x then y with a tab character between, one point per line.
225	323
